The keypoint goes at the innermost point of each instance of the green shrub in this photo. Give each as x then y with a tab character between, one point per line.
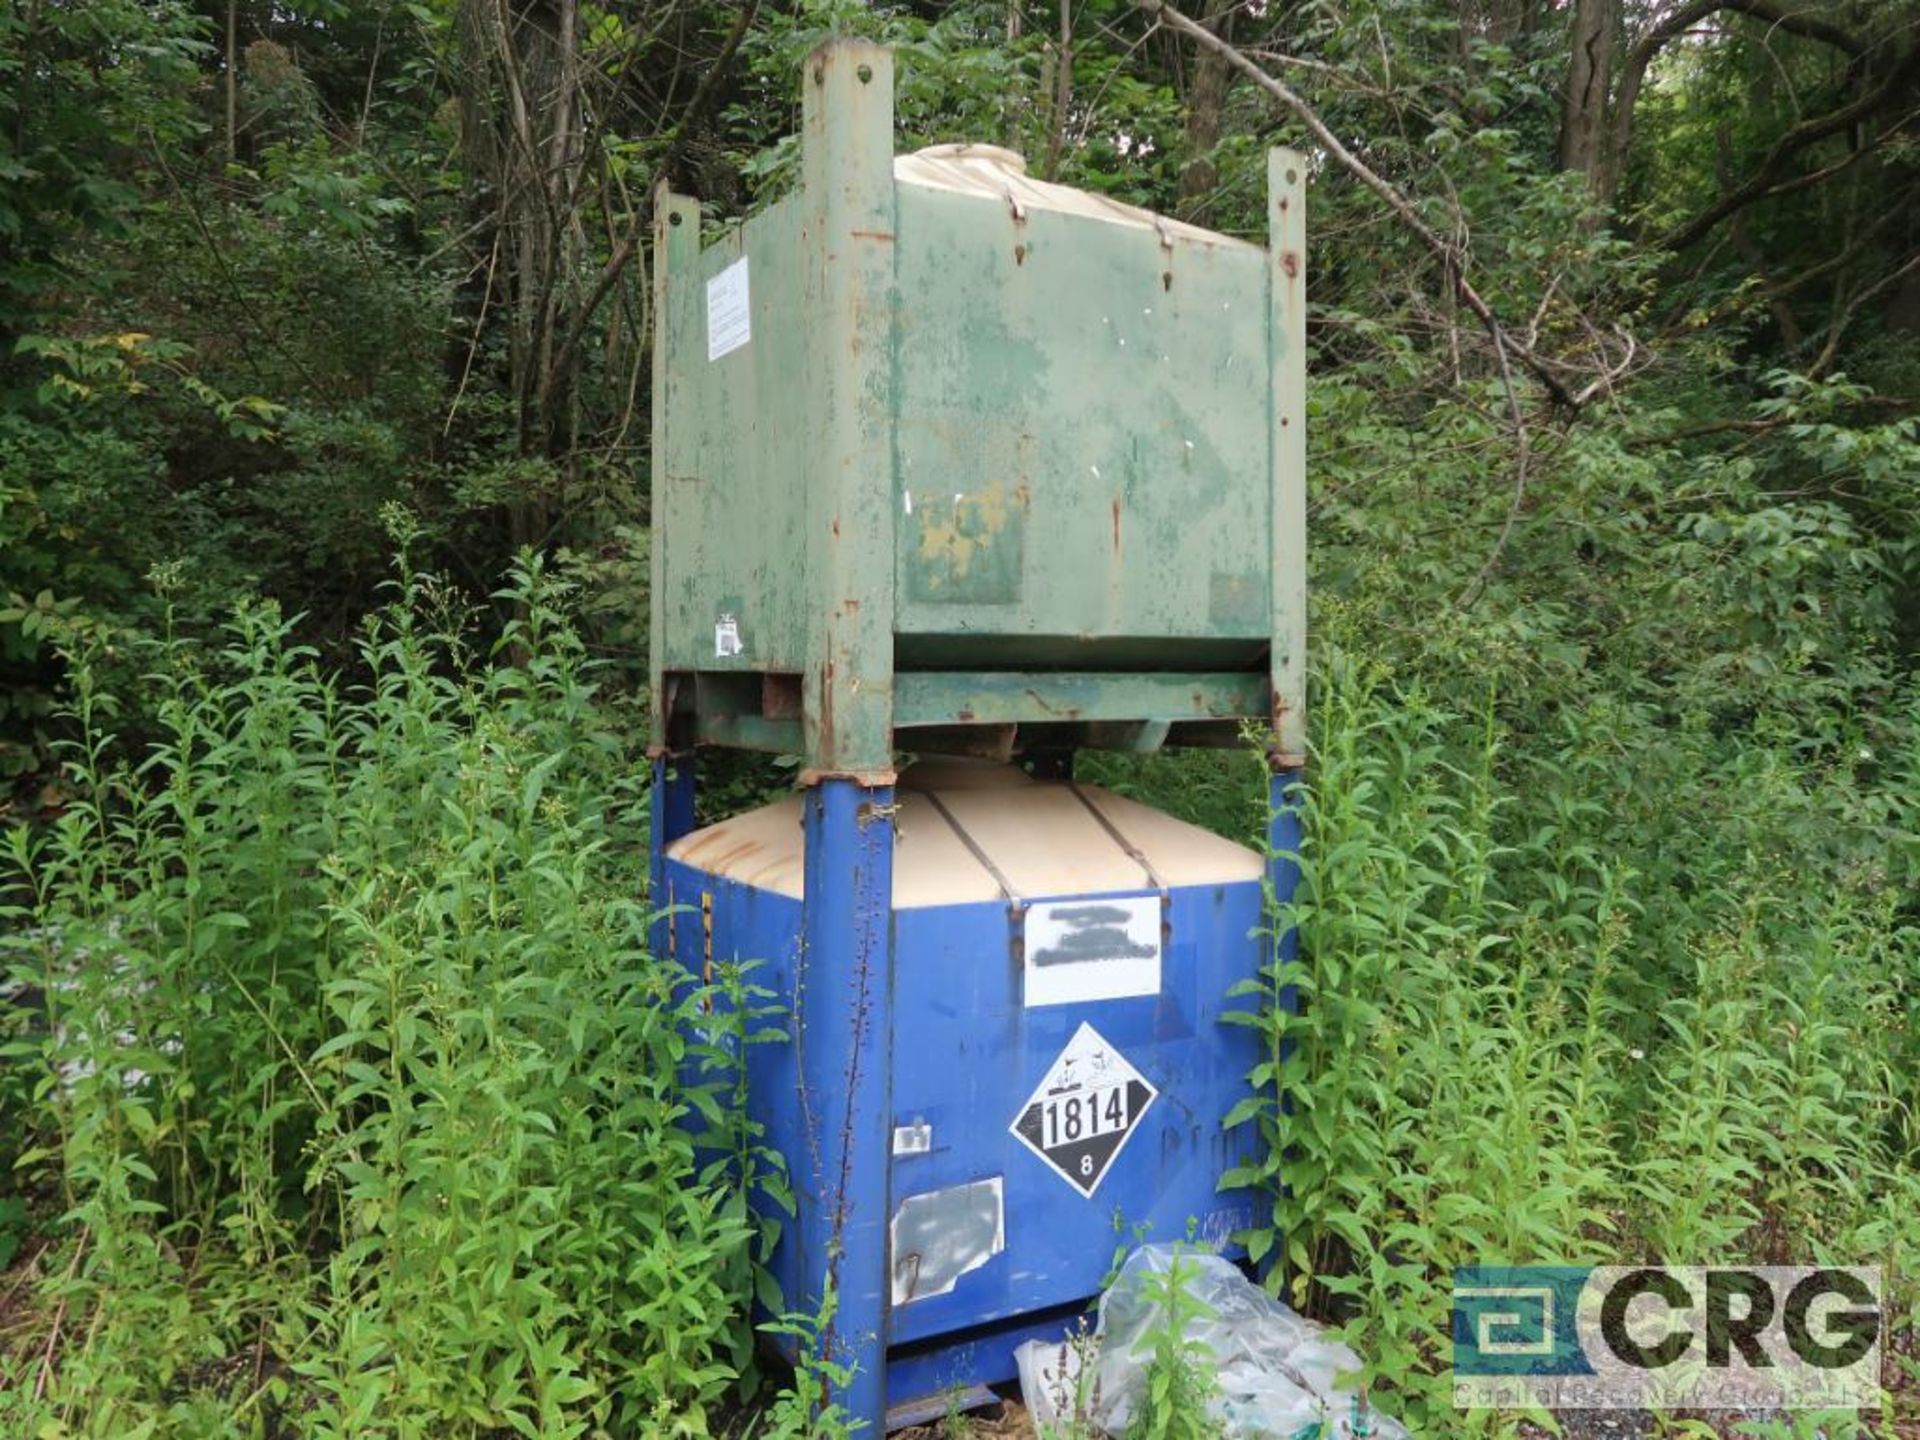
1526	1037
366	1106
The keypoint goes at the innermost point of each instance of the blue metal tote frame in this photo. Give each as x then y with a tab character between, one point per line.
831	1098
1285	834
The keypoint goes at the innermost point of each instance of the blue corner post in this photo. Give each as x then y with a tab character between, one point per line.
671	818
843	1027
1283	852
1284	833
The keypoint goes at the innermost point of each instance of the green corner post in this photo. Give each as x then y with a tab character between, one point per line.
676	247
844	984
1287	347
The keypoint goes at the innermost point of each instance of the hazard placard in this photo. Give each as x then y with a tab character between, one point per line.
1087	1105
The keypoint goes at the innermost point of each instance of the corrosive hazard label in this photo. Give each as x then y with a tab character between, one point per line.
1088	1103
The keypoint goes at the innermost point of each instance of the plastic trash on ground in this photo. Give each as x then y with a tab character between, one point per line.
1278	1376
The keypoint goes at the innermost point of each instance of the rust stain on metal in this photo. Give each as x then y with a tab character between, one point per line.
780	696
1116	525
1064	712
1290	262
972	525
881	235
826	741
1019	254
706	945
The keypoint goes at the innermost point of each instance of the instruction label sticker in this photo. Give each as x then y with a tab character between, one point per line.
1087	1107
1081	950
729	310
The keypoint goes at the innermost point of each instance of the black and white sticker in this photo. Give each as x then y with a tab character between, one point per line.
1087	1106
1083	950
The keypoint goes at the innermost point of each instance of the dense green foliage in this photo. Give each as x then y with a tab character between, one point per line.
326	897
369	968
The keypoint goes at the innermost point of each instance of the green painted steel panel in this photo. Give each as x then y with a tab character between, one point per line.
937	697
732	506
972	436
1082	442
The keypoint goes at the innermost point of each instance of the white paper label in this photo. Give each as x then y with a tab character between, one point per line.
1081	950
729	310
726	638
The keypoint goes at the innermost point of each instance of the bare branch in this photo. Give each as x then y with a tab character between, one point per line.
623	254
1523	454
1804	21
1852	308
1767	179
1633	71
1449	255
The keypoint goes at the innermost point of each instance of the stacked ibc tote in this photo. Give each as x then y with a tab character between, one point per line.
951	462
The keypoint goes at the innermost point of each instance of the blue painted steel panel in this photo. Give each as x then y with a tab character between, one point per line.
972	1357
965	1056
762	929
670	817
970	1054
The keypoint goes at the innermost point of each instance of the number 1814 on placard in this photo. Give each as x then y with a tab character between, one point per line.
1083	1114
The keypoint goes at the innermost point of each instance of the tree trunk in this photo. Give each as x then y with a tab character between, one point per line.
1209	77
1062	92
521	133
233	80
1585	127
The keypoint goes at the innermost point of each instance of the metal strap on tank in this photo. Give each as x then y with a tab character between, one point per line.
1006	886
1133	851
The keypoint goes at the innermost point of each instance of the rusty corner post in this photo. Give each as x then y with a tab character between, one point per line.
844	985
1287	351
1287	355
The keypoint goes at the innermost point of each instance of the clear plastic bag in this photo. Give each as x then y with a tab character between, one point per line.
1050	1379
1278	1376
